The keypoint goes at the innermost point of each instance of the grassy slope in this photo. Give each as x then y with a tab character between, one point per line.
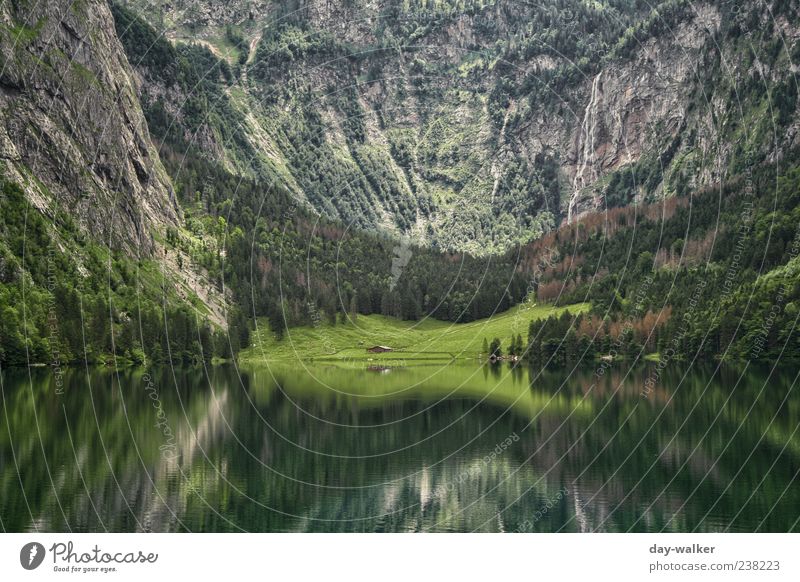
423	340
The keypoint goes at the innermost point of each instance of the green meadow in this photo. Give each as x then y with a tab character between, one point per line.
424	340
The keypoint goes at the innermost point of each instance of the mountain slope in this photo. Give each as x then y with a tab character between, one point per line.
71	130
86	204
302	137
476	125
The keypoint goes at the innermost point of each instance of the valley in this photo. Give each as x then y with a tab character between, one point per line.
264	170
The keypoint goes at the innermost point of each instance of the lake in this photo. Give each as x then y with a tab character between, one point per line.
459	447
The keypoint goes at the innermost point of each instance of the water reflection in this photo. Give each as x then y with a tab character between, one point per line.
428	448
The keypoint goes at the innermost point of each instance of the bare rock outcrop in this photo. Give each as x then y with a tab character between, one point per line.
72	130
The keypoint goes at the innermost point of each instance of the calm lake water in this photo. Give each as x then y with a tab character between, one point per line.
429	448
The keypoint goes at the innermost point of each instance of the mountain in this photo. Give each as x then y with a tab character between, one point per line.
72	132
470	125
172	174
85	203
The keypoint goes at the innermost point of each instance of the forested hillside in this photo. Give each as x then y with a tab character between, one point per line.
315	161
84	203
284	263
469	125
67	299
714	275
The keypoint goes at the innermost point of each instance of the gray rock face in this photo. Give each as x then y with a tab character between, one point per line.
193	14
632	108
71	127
656	115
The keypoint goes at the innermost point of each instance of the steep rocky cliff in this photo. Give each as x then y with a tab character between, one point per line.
72	131
474	125
635	107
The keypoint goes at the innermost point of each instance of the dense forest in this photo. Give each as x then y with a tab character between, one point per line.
711	276
292	266
65	299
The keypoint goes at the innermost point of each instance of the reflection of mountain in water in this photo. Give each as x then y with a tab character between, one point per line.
421	449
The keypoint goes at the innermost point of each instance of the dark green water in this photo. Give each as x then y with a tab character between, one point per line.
459	448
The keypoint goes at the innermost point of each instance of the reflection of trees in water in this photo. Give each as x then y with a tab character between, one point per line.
641	462
399	464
